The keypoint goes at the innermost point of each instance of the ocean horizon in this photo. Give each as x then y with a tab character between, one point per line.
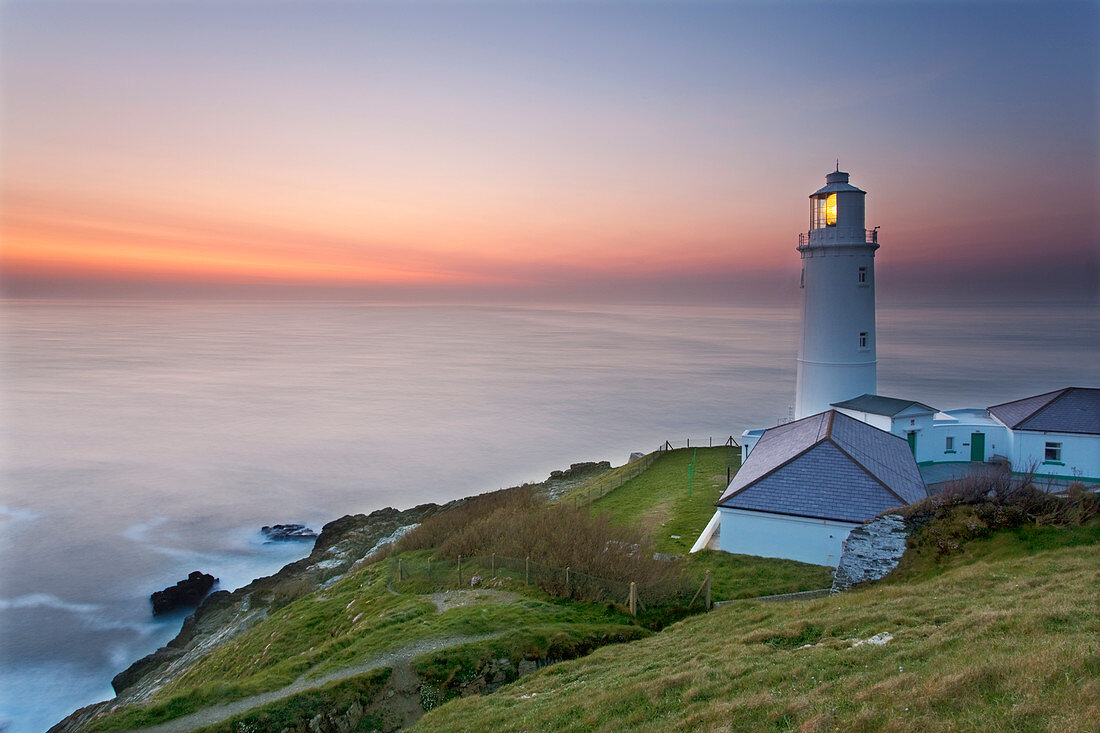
147	439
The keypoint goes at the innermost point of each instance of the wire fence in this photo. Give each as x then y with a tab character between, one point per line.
709	442
428	574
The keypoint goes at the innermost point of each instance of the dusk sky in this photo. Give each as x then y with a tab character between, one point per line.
654	151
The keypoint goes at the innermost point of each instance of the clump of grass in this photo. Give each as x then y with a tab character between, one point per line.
519	523
981	504
438	528
448	670
561	536
350	701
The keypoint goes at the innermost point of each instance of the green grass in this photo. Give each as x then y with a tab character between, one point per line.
447	670
356	619
1005	635
659	497
659	501
295	712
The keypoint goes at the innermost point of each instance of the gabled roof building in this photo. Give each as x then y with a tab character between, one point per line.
806	484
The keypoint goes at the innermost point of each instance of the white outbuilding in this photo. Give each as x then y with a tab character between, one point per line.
808	483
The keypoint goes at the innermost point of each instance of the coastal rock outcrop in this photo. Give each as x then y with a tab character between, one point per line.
187	593
288	533
342	544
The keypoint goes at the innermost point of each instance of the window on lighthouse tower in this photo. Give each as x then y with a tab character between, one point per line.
823	213
830	210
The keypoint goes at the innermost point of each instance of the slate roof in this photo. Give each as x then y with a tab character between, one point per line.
879	405
826	466
1069	410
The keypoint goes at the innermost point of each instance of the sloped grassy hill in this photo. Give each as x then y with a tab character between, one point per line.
1003	635
344	638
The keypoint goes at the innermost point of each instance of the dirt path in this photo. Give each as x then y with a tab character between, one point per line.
398	659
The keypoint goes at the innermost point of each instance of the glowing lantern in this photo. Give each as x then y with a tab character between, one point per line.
830	210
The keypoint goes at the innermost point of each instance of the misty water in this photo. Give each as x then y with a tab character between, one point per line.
144	440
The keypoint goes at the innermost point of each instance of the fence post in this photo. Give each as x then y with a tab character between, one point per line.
567	594
493	564
708	590
632	601
460	570
527	570
400	571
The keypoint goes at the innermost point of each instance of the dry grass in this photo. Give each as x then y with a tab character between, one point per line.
517	523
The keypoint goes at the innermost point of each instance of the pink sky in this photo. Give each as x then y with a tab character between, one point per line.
480	150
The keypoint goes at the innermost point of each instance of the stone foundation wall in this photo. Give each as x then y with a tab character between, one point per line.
871	551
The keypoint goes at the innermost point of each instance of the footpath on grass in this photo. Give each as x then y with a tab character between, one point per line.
399	660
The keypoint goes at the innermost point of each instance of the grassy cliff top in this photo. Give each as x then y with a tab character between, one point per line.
1003	636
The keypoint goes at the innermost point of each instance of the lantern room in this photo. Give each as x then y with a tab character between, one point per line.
838	204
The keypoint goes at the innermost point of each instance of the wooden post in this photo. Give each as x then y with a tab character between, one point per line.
527	570
708	590
493	564
632	601
460	570
567	582
400	571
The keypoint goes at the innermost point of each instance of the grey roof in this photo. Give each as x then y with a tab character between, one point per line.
879	405
826	466
1069	410
835	182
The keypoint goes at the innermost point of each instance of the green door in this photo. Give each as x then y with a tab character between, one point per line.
912	436
977	446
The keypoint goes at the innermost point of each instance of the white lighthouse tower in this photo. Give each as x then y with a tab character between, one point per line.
836	354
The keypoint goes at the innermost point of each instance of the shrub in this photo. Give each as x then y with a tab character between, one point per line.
435	530
984	502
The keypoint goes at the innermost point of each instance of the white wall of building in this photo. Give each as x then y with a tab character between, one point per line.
882	422
960	426
1078	455
815	541
749	439
833	365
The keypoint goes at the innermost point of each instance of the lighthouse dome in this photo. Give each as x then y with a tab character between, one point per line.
836	182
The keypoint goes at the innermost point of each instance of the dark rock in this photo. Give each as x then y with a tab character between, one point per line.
143	666
289	533
186	593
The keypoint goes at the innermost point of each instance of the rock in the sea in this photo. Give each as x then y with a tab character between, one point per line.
186	593
288	532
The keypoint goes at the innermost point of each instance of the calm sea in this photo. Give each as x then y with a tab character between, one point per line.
144	440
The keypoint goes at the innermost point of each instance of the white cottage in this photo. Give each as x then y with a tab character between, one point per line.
904	418
1057	433
808	483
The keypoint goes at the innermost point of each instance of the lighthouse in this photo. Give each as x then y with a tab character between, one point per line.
836	352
